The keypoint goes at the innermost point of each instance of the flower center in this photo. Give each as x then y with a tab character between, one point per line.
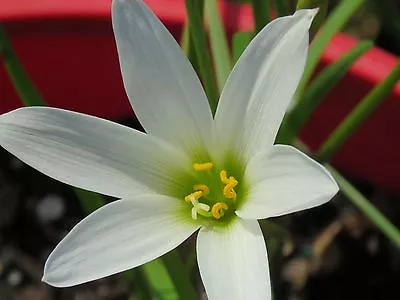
214	196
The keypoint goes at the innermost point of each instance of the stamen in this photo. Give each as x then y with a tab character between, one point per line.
224	176
229	192
203	166
217	210
202	187
231	183
195	195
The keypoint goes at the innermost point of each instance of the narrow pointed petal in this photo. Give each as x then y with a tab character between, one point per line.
89	152
262	84
286	180
161	84
117	237
233	262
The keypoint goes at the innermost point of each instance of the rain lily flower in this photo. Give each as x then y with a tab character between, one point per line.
190	172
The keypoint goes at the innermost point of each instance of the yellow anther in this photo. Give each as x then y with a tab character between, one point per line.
202	187
203	166
193	196
229	192
217	210
231	183
224	177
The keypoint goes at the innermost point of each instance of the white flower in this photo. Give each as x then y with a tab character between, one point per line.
189	171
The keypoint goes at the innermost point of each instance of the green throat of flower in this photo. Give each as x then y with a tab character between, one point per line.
214	193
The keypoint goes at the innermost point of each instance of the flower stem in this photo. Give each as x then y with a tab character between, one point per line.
201	48
367	208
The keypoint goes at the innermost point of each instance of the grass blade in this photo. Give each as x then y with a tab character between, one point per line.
219	43
369	210
23	85
359	114
201	48
240	41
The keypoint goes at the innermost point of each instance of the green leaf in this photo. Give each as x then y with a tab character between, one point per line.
185	38
138	284
380	221
179	274
198	35
317	91
335	22
219	43
261	13
159	280
26	90
240	40
188	47
360	113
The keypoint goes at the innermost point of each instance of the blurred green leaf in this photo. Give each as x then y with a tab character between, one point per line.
317	91
261	13
187	46
219	43
138	284
23	85
334	23
380	221
179	275
194	10
90	201
159	280
282	8
359	114
185	38
240	40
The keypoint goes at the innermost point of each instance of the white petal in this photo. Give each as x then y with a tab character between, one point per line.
286	180
233	262
161	84
89	152
261	85
117	237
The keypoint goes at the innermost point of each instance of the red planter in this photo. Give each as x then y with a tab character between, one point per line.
68	49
